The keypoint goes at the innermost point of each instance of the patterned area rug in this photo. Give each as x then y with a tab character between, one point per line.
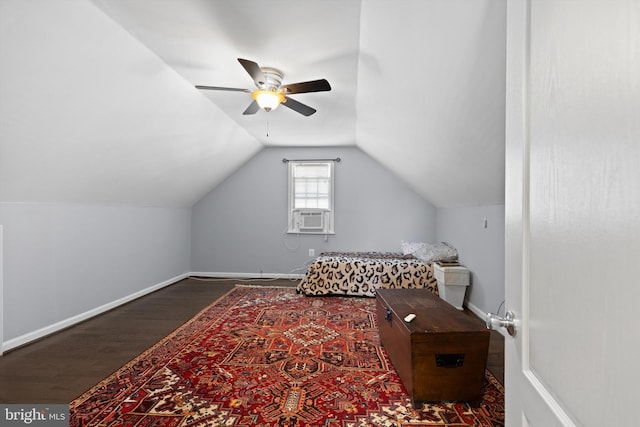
270	357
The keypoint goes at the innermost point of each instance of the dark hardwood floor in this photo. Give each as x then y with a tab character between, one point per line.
59	368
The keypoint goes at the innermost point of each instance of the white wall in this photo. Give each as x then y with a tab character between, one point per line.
64	262
481	250
239	226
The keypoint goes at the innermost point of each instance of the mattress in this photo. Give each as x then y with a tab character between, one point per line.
361	273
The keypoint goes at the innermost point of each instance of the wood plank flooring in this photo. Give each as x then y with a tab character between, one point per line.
59	368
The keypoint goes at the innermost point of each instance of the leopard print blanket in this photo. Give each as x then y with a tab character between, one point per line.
361	273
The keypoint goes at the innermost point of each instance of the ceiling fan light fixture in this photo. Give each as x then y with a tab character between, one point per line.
268	99
270	92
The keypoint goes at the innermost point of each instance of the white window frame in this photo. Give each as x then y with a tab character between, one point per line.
294	219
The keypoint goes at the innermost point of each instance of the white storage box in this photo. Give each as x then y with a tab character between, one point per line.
452	283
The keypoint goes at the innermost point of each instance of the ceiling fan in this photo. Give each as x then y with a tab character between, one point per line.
271	92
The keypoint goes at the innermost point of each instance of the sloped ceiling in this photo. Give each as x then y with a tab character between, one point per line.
98	104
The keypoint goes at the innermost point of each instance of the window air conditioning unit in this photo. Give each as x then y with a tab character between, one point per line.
311	220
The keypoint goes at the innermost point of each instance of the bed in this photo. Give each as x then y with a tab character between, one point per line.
361	273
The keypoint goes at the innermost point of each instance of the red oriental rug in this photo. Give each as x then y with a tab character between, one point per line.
271	357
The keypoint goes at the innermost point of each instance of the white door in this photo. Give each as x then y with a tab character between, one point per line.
573	212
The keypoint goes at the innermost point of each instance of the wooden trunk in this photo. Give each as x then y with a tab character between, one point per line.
441	354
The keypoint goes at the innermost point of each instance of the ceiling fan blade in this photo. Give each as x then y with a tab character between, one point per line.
231	89
321	85
252	108
254	71
301	108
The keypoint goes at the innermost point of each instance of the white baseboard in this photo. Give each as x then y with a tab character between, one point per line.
481	314
66	323
246	275
58	326
475	310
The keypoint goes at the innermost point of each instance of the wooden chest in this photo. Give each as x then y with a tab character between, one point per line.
441	354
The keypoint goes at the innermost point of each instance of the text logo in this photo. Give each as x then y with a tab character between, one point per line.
34	415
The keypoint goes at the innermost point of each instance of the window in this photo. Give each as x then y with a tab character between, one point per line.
310	197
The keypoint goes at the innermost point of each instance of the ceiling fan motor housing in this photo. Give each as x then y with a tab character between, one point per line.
270	92
272	79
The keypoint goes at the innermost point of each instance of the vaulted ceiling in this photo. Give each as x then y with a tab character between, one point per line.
98	101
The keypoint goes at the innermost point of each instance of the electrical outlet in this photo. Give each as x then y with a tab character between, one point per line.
312	252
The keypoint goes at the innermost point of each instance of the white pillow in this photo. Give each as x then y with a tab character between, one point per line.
410	248
437	252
